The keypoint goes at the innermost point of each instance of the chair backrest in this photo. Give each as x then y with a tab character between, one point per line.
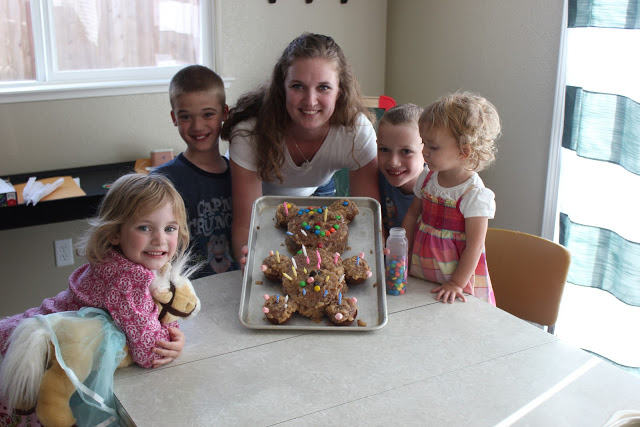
528	274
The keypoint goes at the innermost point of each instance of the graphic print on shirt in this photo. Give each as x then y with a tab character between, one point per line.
218	253
207	229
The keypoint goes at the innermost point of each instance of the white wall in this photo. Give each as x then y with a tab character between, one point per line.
507	50
37	136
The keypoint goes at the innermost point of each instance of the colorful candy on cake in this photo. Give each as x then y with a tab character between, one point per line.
277	309
359	269
324	227
342	313
316	282
274	265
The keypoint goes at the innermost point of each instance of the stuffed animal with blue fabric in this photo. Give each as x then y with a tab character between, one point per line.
31	375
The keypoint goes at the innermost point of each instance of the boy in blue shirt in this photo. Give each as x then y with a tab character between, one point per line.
200	173
400	161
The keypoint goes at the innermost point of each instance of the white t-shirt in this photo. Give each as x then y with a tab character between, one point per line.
478	202
333	155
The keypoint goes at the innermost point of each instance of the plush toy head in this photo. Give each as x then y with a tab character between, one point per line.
173	292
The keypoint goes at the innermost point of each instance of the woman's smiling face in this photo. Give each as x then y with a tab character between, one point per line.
312	88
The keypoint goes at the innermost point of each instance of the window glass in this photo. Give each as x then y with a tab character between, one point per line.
92	35
79	41
17	60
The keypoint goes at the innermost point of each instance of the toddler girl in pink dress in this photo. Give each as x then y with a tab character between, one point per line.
447	222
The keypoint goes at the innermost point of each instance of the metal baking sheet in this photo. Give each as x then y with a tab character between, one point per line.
365	235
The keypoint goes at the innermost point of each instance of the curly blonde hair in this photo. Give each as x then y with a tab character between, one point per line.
472	120
268	102
131	197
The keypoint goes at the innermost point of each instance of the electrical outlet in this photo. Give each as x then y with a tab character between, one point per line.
64	252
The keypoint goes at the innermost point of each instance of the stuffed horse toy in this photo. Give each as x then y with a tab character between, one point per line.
30	374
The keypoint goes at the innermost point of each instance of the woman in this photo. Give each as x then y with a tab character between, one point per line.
289	136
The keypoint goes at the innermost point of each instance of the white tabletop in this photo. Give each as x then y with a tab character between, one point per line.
433	363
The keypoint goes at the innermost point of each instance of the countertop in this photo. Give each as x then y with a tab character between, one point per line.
432	364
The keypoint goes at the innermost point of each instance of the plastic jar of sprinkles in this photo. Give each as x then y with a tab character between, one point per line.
396	262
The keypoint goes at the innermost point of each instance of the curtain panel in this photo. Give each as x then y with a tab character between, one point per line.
604	14
605	128
602	126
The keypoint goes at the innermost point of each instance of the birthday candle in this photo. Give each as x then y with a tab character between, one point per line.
295	273
303	232
290	233
304	251
286	299
304	291
277	256
307	260
293	261
325	214
305	270
278	298
358	261
318	255
287	276
340	298
361	255
341	278
335	257
286	210
325	292
271	253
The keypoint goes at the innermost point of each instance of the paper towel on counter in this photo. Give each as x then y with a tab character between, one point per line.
34	190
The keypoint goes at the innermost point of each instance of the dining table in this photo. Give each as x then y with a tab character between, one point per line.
431	363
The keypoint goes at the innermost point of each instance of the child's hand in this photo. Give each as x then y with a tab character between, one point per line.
243	260
449	292
169	350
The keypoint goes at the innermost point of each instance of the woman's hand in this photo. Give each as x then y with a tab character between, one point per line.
449	292
169	350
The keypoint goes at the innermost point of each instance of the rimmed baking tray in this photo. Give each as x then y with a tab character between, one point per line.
365	235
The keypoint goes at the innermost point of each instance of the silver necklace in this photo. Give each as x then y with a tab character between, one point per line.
307	164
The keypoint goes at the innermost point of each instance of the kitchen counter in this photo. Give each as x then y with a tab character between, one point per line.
432	364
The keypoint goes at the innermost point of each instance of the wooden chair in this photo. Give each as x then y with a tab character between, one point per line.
528	274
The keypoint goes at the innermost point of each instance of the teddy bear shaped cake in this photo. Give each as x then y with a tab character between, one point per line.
323	227
314	281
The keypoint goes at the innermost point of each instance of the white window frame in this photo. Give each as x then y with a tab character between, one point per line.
51	85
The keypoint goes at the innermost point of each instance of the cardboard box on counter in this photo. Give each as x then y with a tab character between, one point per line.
8	194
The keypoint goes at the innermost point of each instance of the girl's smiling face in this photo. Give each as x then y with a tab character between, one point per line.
312	88
399	155
150	240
